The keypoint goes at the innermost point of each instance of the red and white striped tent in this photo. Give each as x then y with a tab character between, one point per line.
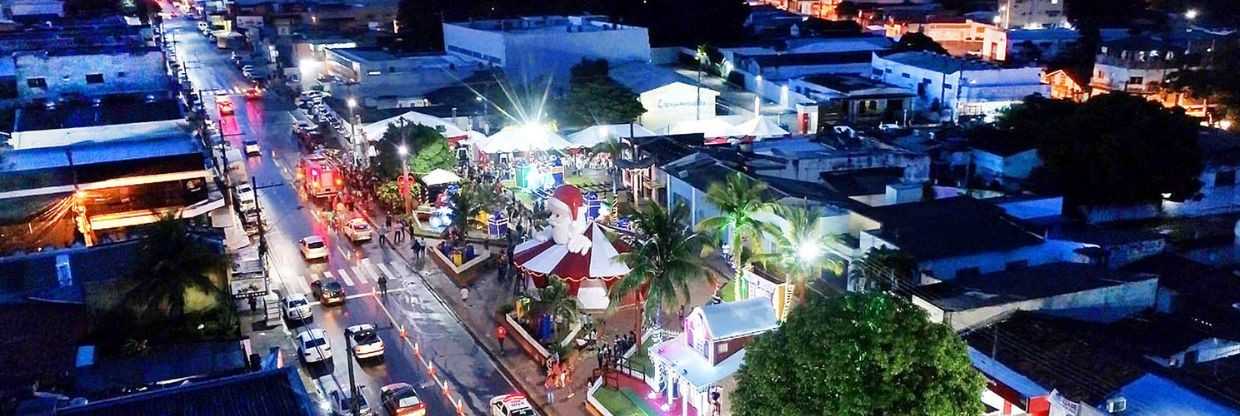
538	259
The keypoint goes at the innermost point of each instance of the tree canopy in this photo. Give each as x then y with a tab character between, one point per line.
1113	149
916	41
428	150
858	355
594	98
1218	80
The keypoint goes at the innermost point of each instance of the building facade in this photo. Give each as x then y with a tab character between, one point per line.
956	87
529	48
1031	14
54	75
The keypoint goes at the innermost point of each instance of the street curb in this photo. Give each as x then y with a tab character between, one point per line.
512	379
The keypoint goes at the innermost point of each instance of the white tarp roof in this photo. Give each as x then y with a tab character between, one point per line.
592	295
711	127
597	134
524	138
440	177
374	131
760	127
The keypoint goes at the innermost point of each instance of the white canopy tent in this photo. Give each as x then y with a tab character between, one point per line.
594	135
760	127
524	138
374	131
439	177
711	127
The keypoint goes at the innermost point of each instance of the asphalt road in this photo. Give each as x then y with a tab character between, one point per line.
460	363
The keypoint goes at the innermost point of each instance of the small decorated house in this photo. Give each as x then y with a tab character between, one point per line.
701	360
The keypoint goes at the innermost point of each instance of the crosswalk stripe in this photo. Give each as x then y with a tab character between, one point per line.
345	277
386	272
369	267
357	272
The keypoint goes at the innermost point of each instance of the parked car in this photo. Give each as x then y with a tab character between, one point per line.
400	399
245	198
314	345
366	342
251	147
313	247
511	405
358	229
328	291
253	93
297	307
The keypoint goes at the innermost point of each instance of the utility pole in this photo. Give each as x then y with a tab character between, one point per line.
258	214
353	408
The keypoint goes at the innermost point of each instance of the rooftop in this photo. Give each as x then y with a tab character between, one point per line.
949	227
642	77
546	25
931	61
1036	282
805	59
847	84
740	318
1052	33
107	111
90	153
862	181
270	392
40	339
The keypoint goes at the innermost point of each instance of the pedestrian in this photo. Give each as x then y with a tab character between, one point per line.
383	281
501	333
563	376
465	295
680	317
549	385
388	221
253	304
602	356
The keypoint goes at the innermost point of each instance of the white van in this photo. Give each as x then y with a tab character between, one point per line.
338	396
245	198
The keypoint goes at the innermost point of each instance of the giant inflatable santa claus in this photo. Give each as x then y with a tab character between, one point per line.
568	220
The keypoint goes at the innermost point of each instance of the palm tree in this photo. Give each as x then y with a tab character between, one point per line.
665	260
612	147
740	201
173	262
883	268
800	244
555	301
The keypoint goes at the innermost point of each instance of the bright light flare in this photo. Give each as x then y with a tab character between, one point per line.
809	251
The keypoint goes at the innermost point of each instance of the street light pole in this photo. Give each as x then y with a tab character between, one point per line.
407	188
352	103
353	408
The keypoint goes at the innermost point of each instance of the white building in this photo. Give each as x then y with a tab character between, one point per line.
955	87
1031	14
668	97
33	8
531	47
385	79
54	74
1026	45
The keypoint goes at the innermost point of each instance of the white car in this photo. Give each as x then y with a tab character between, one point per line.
358	229
511	405
245	198
297	307
314	346
252	148
313	247
366	342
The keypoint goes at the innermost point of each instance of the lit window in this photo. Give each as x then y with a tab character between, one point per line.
722	348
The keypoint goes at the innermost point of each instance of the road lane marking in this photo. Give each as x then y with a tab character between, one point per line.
386	272
345	277
369	267
357	272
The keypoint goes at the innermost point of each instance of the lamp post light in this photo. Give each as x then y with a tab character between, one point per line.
809	251
357	147
407	188
1191	14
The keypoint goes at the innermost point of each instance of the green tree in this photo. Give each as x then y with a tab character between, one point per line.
799	246
594	98
665	260
917	41
1218	81
741	202
858	355
173	263
1118	149
555	301
470	200
427	147
883	268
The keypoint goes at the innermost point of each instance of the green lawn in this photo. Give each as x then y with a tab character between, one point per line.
640	360
623	403
728	292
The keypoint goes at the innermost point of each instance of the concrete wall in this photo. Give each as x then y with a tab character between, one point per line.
916	166
994	166
531	54
1129	296
936	270
985	91
122	73
1022	13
